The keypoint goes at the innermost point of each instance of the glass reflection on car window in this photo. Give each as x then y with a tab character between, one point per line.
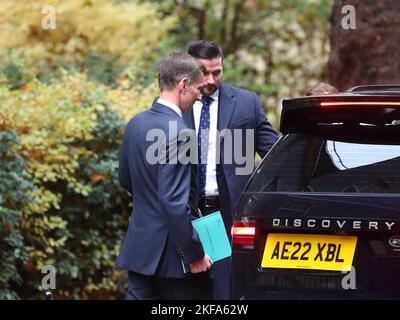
343	154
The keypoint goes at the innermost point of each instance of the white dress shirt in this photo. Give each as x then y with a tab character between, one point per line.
211	170
170	105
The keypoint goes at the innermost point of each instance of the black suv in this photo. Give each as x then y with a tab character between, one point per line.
320	216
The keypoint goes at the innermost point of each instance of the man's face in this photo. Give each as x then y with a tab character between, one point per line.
191	94
213	75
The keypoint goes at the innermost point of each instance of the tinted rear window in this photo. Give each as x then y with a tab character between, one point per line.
304	163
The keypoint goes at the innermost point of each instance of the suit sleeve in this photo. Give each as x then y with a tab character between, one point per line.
124	174
265	135
174	182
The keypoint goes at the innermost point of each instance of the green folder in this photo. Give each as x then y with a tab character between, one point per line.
213	237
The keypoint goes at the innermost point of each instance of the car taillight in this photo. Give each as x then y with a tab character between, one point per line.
243	233
333	104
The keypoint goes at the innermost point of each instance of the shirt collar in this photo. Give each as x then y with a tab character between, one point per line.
170	105
215	95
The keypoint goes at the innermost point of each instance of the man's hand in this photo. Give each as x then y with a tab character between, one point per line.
201	265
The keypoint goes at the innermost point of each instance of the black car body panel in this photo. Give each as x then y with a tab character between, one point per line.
377	264
325	179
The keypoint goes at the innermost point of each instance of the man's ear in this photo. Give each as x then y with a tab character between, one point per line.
183	84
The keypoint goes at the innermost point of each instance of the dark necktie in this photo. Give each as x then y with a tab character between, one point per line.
203	138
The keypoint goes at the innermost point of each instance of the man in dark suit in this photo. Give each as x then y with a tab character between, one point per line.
239	115
160	242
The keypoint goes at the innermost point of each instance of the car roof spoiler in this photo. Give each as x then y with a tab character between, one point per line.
383	89
361	110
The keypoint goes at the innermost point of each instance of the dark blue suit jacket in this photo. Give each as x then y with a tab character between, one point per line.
237	109
160	235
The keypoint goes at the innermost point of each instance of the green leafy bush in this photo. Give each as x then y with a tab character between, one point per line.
65	97
14	189
60	194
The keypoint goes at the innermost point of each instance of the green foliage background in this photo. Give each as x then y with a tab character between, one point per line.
66	94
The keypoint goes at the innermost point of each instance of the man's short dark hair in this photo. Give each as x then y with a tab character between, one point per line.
204	49
177	66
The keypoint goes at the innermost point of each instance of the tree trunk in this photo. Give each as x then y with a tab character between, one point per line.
368	54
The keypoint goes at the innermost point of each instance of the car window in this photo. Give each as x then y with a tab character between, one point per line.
343	157
304	163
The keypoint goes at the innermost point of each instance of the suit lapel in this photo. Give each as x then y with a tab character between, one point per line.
226	107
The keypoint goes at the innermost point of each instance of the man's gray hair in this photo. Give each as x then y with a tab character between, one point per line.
177	66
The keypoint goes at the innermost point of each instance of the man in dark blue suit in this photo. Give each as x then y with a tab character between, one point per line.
161	250
233	118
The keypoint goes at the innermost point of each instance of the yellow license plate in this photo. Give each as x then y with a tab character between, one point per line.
306	251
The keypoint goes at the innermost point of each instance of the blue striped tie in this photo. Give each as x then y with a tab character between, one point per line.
203	138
